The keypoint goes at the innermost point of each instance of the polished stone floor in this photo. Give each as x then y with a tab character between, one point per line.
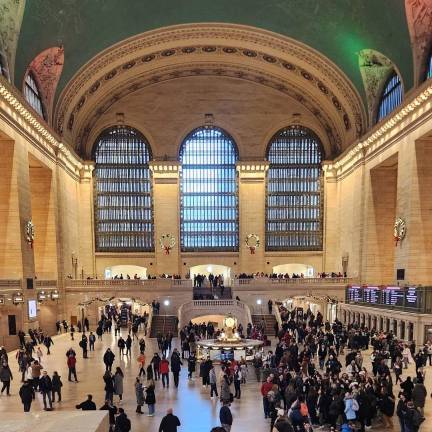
190	402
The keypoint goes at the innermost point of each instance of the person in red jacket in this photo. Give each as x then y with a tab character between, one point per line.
71	363
164	370
265	388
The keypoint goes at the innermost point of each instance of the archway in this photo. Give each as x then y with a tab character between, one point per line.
305	269
125	270
214	269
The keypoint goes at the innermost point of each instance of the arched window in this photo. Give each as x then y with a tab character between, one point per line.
32	94
391	96
294	193
123	198
209	199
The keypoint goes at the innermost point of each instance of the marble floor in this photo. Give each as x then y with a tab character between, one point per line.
190	402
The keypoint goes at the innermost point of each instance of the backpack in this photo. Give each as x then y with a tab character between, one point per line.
355	405
271	396
417	418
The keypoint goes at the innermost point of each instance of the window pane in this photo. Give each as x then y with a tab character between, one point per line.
294	195
32	95
209	199
123	203
429	67
391	97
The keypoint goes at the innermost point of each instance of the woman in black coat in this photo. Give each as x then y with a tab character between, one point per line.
150	398
109	386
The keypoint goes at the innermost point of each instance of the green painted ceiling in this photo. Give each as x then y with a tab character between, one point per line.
337	28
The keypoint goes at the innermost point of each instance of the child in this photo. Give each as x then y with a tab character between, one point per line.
56	386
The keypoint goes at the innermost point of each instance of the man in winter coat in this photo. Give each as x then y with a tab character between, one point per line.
108	359
419	394
176	366
170	422
122	423
5	377
45	386
225	416
26	394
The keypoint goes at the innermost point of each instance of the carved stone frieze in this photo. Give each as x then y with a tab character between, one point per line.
419	18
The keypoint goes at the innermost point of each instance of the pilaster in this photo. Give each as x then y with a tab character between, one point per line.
252	195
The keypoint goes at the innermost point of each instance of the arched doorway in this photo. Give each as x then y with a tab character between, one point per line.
305	269
125	270
214	269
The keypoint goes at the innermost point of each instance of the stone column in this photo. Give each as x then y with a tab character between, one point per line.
252	205
166	213
85	254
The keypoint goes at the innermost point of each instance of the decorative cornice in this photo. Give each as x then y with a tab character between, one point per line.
166	172
252	171
402	120
226	45
26	122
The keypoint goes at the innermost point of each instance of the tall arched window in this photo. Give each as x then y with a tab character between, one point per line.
123	198
32	94
391	96
294	192
209	199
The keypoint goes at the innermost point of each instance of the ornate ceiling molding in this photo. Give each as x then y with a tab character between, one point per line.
419	18
270	59
11	14
47	68
374	68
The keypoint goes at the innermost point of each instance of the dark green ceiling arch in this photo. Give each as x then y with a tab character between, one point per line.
339	29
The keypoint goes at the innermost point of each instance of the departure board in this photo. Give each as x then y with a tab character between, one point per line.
386	296
412	298
393	296
372	295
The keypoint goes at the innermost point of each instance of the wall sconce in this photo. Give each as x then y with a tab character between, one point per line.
55	295
18	298
2	300
259	302
166	302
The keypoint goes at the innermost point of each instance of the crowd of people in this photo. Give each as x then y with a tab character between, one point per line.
259	275
313	377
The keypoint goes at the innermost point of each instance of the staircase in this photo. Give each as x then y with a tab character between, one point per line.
163	324
207	293
270	321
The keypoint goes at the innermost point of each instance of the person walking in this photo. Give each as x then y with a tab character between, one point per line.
213	382
237	381
48	342
5	377
27	395
109	386
56	386
118	383
419	394
191	365
156	361
170	422
71	364
92	340
139	393
176	364
141	364
36	369
164	370
84	345
108	359
45	386
150	398
225	416
128	345
121	345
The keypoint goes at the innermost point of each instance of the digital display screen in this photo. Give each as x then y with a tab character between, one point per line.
387	296
371	295
411	297
32	309
393	296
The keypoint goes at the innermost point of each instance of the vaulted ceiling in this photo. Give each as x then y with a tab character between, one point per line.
338	29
